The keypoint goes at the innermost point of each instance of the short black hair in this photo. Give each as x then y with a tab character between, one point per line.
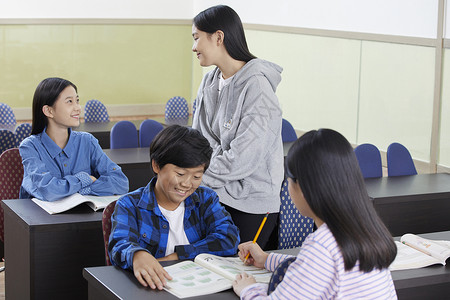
324	164
182	146
47	92
222	17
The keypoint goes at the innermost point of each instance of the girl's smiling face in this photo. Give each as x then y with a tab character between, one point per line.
205	46
66	110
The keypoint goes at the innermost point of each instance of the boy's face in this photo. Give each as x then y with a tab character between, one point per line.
175	184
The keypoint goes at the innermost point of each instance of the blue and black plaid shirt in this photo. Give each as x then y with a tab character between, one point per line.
138	224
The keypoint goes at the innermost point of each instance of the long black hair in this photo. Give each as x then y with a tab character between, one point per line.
222	17
182	146
324	164
47	92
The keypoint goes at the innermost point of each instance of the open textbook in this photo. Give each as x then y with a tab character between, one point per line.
416	252
209	274
64	204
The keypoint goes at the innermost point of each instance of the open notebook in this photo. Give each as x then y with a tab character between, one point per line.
209	274
64	204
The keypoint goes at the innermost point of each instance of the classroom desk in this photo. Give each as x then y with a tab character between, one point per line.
432	282
114	283
417	203
135	163
101	131
45	254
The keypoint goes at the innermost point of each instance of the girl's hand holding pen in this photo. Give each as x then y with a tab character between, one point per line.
257	256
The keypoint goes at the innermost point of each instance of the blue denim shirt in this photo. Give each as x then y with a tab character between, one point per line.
138	224
51	173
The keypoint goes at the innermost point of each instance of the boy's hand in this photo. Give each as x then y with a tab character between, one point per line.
242	281
148	271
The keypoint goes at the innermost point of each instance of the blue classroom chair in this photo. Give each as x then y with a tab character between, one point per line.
177	111
369	160
399	161
288	133
124	135
95	111
147	132
293	228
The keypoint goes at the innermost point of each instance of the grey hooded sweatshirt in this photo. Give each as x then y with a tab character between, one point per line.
243	126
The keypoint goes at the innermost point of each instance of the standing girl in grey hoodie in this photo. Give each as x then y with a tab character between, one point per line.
238	112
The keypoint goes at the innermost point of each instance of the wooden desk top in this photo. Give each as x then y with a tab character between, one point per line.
409	188
93	127
435	274
129	155
33	215
142	155
115	283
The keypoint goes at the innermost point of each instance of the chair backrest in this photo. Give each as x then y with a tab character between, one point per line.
194	107
177	111
124	135
23	131
106	226
288	133
11	175
278	274
399	161
7	116
147	132
95	111
369	159
8	140
293	228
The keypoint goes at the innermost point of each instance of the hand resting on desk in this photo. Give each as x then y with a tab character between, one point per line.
148	270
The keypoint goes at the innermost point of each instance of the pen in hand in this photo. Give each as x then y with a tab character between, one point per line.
257	235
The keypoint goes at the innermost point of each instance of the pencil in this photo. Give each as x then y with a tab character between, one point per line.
257	234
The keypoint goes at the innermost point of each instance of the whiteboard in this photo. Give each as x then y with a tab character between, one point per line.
415	18
107	9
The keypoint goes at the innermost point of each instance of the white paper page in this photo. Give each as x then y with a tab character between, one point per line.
229	267
62	204
438	250
410	258
99	202
191	279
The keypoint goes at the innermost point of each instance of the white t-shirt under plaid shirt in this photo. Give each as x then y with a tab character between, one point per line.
177	236
319	273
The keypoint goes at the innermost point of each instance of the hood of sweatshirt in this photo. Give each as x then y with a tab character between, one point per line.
260	67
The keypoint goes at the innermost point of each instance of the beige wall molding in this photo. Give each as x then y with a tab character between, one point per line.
80	21
447	43
273	28
25	114
348	35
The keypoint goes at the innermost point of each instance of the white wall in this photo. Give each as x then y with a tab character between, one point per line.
416	18
108	9
447	25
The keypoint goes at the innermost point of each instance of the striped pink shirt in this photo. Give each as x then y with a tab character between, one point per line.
319	273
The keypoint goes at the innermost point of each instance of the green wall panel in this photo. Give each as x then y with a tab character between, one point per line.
116	64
